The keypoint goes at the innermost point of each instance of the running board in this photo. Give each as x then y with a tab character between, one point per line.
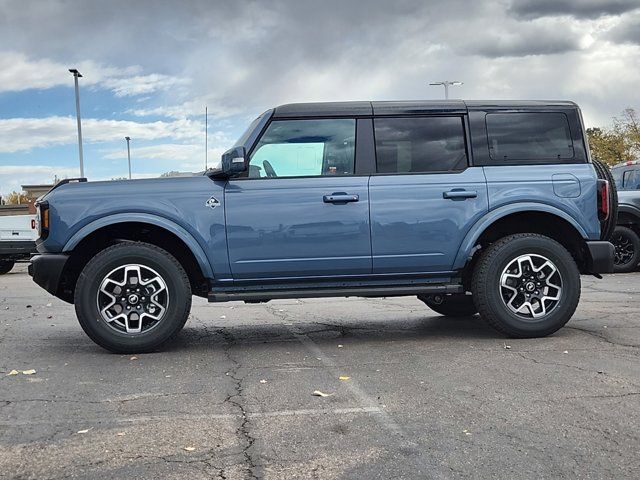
371	291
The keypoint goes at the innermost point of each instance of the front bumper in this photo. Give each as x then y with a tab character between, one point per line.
46	270
602	255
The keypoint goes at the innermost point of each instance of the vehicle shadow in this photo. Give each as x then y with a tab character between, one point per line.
330	331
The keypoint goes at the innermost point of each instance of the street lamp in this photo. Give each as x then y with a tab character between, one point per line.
76	75
128	139
446	84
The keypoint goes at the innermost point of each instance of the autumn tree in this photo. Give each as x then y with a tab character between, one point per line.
618	143
15	198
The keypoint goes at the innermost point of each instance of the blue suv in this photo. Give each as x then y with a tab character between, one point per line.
474	207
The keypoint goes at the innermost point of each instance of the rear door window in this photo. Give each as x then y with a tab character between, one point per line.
420	144
537	137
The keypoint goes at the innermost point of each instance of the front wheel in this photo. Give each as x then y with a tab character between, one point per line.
132	297
526	285
627	245
453	305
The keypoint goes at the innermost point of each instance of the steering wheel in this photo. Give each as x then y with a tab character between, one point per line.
268	169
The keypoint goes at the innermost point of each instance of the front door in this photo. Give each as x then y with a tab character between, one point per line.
424	198
300	211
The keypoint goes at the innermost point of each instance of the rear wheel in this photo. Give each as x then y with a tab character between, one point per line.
6	266
132	297
453	305
526	285
627	245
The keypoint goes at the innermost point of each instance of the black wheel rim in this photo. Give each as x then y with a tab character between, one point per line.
623	248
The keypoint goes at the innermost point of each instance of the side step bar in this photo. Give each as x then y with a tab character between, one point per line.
370	291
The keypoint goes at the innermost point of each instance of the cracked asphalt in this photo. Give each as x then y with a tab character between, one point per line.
427	396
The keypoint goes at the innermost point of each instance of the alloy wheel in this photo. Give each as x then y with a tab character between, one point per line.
531	286
133	299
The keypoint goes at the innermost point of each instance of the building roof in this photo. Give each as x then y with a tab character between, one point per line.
338	109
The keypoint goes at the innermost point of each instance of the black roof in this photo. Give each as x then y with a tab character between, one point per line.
338	109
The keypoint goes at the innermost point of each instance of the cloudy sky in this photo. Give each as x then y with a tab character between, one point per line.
150	67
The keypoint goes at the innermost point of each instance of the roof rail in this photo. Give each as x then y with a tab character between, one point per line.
68	180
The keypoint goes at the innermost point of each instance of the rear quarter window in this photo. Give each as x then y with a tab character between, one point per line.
531	137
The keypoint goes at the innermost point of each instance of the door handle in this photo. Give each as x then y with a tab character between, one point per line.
340	198
459	194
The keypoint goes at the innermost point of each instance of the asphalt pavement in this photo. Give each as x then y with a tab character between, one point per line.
409	394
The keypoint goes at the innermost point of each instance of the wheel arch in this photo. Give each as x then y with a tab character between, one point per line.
142	228
629	216
525	218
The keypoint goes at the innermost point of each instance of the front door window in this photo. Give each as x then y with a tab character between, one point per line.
304	148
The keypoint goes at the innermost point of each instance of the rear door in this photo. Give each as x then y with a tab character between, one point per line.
301	211
425	197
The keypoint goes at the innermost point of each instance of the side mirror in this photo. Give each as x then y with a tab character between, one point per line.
233	162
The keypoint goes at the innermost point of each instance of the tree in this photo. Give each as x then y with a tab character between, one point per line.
15	198
608	146
619	142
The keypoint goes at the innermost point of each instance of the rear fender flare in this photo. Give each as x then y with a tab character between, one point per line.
470	239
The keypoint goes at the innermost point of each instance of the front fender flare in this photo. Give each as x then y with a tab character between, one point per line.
470	239
158	221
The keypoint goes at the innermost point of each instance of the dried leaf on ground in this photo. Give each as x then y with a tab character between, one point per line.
13	372
318	393
29	372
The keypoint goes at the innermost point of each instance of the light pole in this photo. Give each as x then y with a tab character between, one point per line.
76	75
206	138
128	139
446	84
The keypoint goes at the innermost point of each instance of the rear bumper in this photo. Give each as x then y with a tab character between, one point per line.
602	255
17	248
46	270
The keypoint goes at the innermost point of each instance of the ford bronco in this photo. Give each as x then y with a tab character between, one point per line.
474	207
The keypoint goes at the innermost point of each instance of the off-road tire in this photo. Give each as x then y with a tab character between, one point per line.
486	288
126	253
453	305
626	237
6	266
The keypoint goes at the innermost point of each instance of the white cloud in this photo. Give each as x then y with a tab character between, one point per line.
18	72
24	134
12	177
142	84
